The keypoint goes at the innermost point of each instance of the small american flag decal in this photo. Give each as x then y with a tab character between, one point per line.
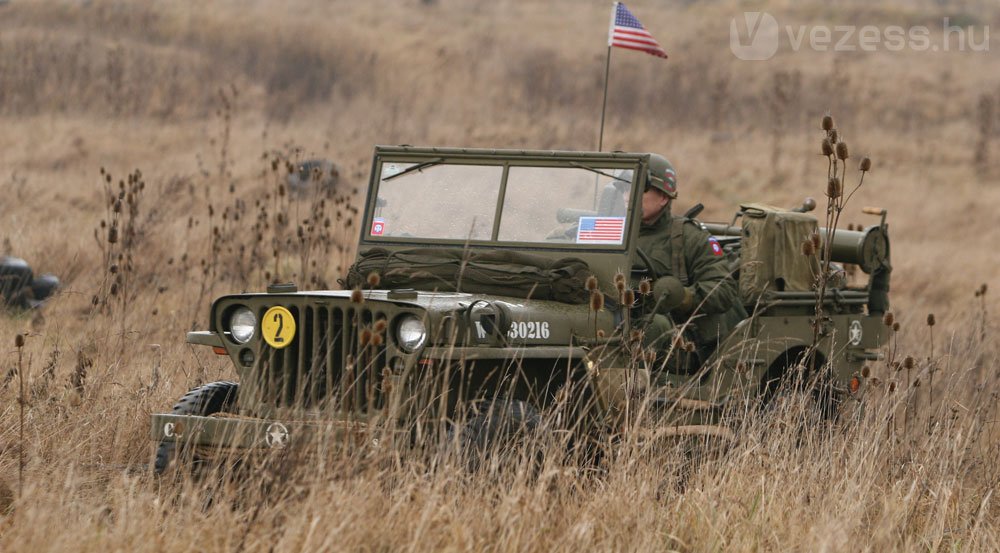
601	230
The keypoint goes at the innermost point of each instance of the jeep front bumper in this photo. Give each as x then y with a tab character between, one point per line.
232	433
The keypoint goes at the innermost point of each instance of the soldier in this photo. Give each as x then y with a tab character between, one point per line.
692	276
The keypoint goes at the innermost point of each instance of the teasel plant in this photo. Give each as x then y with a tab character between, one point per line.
596	300
837	153
626	299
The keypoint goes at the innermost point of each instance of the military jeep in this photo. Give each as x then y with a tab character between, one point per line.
511	279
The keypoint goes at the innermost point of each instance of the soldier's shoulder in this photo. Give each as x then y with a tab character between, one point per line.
692	227
698	240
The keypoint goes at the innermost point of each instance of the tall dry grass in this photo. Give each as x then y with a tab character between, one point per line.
210	103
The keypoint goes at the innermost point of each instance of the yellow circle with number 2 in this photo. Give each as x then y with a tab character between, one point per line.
278	327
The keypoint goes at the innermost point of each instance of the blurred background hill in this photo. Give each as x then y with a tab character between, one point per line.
177	89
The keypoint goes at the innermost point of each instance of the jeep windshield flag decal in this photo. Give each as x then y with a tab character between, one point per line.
601	230
627	32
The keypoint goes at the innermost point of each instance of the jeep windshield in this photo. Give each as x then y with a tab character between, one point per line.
574	204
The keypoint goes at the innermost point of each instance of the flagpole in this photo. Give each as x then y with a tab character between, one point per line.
604	103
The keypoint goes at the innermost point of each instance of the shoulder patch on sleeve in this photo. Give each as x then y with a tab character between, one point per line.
716	248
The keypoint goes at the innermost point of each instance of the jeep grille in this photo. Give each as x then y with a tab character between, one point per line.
326	365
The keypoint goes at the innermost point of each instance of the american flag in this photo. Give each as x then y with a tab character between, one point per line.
627	32
601	230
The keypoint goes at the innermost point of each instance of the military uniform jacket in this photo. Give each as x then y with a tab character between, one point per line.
700	265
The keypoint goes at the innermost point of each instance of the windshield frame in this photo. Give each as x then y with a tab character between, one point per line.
597	162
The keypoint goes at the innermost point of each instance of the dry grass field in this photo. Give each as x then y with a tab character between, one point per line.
193	108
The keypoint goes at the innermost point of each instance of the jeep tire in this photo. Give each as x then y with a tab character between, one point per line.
202	401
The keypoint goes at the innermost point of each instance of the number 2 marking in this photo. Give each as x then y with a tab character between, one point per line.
278	327
281	324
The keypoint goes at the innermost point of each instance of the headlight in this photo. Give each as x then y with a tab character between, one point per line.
242	324
410	333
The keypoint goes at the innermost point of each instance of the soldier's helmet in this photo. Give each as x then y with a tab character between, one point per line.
662	175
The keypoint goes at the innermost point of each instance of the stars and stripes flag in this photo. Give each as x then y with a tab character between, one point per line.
627	32
601	230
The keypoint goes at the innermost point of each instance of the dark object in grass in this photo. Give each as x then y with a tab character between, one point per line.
20	288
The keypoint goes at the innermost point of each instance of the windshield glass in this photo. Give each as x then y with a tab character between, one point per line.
575	206
437	201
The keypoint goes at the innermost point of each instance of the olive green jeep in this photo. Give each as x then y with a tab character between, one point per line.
511	279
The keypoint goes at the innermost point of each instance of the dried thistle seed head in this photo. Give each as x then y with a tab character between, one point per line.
834	135
815	240
591	283
895	326
930	319
834	189
596	300
600	333
892	387
366	336
357	296
827	147
689	347
827	122
865	165
982	289
807	248
888	319
619	278
374	279
376	340
19	341
645	286
635	336
629	298
909	362
620	285
842	151
380	325
865	372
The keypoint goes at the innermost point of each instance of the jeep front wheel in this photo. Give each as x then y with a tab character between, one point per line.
202	401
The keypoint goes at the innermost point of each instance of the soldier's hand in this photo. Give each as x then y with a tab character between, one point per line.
670	294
